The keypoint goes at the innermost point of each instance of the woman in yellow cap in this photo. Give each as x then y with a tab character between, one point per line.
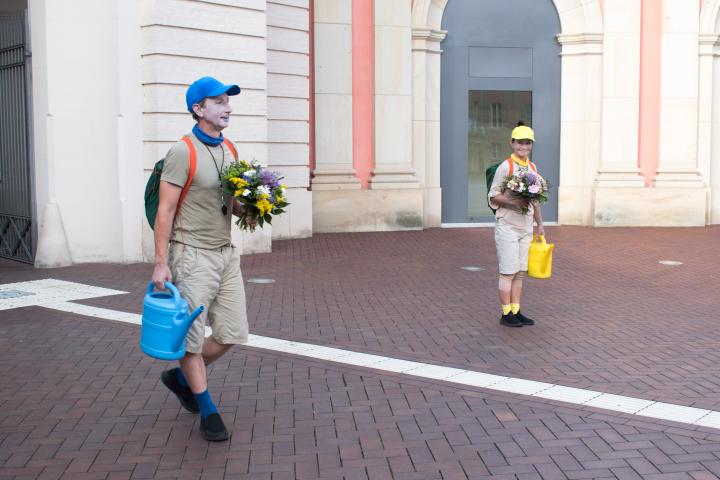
514	218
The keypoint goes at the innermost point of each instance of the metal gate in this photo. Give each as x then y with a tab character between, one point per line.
17	229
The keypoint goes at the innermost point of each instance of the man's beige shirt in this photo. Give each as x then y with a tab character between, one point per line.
200	222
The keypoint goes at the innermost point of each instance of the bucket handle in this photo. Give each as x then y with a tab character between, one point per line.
173	289
540	238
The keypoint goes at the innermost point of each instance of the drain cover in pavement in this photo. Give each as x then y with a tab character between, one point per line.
473	269
261	280
672	263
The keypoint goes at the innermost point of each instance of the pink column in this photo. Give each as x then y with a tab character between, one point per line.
363	91
649	128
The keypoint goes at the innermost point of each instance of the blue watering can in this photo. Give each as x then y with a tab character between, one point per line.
165	322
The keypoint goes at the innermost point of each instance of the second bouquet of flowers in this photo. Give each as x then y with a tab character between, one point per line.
527	184
257	188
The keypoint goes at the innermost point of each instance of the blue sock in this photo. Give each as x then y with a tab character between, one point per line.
207	406
181	377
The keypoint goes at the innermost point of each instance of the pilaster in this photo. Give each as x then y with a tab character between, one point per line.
621	95
709	121
678	166
426	119
333	97
393	97
581	107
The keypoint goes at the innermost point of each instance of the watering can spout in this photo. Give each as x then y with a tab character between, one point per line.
190	318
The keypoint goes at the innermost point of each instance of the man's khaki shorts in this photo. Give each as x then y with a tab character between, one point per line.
211	278
512	244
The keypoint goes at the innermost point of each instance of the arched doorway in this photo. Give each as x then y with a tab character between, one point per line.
500	64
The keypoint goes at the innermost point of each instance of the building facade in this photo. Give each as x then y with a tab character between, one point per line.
380	114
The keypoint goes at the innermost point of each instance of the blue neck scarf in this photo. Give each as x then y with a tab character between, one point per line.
207	139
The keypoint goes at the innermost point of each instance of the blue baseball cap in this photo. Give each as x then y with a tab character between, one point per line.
207	87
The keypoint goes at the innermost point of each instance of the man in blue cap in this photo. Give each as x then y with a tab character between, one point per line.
193	248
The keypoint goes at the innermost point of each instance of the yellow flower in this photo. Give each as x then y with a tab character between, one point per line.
238	182
264	206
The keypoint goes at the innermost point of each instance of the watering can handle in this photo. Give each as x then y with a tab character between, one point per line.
173	289
541	238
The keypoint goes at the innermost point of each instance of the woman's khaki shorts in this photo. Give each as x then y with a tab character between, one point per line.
512	244
211	278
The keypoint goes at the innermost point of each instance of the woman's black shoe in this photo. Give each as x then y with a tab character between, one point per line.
510	320
524	320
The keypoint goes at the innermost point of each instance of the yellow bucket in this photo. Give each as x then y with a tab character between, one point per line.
540	257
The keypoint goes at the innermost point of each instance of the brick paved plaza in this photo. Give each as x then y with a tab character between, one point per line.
80	401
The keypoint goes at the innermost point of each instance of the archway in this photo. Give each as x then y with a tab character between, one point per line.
493	74
581	43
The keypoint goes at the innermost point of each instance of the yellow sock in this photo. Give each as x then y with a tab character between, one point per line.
506	309
515	307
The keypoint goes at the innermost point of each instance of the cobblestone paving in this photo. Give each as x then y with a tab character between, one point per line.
79	401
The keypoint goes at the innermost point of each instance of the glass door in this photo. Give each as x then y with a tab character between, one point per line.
492	114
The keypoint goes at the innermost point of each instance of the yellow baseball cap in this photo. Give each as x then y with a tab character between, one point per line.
523	133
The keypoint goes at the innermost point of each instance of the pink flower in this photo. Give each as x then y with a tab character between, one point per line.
535	188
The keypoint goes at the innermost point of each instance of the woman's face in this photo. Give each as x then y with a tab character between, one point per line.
521	148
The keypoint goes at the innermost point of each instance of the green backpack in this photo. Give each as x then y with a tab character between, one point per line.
152	189
490	175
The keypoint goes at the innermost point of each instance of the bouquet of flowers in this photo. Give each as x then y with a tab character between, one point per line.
257	188
527	184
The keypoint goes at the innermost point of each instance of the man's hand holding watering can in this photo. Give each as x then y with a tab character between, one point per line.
161	274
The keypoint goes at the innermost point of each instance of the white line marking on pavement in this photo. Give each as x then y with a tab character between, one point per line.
49	290
58	294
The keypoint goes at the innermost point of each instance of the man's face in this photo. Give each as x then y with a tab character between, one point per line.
216	112
521	148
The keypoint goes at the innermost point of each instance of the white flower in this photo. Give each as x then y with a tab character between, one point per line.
264	189
245	192
249	173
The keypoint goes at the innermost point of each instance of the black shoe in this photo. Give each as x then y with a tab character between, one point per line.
213	429
183	394
510	320
524	320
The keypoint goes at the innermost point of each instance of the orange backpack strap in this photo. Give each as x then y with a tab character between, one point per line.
191	174
534	168
511	165
231	147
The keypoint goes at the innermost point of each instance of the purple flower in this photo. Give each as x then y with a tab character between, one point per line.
269	178
531	178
